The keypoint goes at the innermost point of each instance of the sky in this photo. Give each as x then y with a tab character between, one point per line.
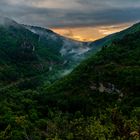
83	20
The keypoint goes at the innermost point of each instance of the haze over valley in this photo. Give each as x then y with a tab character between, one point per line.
69	70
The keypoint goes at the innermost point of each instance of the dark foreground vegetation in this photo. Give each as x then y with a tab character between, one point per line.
99	100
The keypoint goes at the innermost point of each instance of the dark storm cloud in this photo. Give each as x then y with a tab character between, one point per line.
72	13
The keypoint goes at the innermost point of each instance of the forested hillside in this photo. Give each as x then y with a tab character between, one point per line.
98	100
106	87
34	54
109	80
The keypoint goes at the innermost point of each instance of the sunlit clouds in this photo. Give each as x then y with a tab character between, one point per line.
90	33
84	20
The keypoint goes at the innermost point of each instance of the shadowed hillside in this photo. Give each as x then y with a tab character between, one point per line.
98	100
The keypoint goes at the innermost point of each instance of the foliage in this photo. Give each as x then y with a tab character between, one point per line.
99	100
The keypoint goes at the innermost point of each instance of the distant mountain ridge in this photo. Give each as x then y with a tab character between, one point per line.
34	50
43	51
66	46
112	76
98	100
97	45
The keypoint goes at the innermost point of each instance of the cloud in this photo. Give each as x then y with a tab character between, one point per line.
71	13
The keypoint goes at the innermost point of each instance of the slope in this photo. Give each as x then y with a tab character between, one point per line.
27	51
106	87
97	45
115	69
98	100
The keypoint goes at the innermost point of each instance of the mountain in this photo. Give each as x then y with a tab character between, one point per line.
68	48
116	65
109	80
98	100
33	51
98	44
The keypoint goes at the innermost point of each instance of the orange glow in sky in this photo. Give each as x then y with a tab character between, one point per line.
90	33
